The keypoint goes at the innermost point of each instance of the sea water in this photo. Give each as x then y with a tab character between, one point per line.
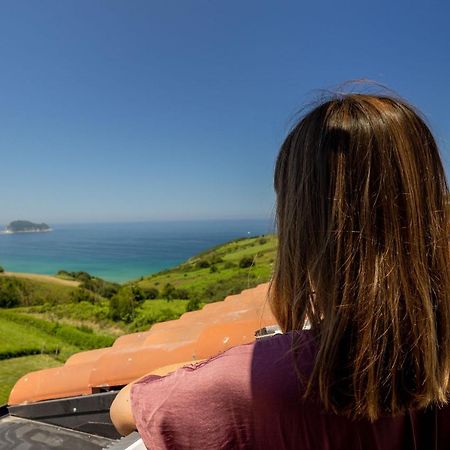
119	251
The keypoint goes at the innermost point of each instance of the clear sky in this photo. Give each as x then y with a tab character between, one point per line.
147	110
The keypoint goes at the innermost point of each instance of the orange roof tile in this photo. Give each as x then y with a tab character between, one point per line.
195	335
130	339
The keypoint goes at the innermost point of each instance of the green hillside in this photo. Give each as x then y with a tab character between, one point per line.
207	277
221	271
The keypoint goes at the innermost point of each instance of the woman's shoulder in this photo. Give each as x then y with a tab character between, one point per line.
237	368
216	394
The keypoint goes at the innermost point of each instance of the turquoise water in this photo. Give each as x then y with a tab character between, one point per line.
119	251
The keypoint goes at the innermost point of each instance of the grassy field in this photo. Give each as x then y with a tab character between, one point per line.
38	291
12	369
94	317
44	278
18	340
48	344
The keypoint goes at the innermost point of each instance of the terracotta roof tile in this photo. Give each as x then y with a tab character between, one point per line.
195	335
84	357
130	339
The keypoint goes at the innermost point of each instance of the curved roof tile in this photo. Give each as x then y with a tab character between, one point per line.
195	335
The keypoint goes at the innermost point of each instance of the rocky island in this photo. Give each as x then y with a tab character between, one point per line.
24	226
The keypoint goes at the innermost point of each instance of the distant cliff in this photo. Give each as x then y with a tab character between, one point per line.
24	226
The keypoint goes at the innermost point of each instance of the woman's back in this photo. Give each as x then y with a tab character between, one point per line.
250	397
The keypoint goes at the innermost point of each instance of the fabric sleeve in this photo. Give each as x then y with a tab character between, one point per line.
202	406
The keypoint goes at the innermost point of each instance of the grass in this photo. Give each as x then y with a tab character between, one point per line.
50	343
95	316
36	292
153	311
228	278
12	369
22	334
56	333
18	340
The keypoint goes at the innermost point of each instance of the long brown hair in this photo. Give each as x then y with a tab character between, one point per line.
363	254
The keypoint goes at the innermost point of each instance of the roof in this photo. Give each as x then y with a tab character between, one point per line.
20	433
194	336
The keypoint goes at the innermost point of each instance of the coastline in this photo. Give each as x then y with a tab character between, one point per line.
25	231
119	252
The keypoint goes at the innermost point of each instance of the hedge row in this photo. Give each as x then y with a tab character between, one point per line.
6	354
67	333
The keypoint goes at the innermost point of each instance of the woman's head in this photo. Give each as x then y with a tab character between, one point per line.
363	253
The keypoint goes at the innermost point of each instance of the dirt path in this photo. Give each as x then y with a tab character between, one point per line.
38	277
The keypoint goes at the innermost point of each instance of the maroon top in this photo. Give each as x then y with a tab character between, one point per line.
250	397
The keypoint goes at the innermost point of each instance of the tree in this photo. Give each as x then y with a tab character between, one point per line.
203	264
123	305
193	305
82	295
245	262
138	293
10	294
101	287
182	294
168	292
150	293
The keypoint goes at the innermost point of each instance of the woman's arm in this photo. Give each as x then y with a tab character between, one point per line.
121	412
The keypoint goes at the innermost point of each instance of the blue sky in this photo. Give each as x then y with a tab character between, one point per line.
149	110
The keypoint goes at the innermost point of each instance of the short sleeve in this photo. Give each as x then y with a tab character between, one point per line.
203	406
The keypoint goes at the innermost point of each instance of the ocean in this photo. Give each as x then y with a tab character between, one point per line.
119	251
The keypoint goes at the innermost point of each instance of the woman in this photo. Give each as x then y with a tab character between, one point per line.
363	256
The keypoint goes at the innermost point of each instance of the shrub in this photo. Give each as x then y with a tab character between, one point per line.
245	262
10	353
150	293
101	287
63	273
215	259
138	293
122	306
193	305
202	264
150	317
10	294
85	329
182	294
80	276
213	269
168	291
226	286
2	269
82	295
262	241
